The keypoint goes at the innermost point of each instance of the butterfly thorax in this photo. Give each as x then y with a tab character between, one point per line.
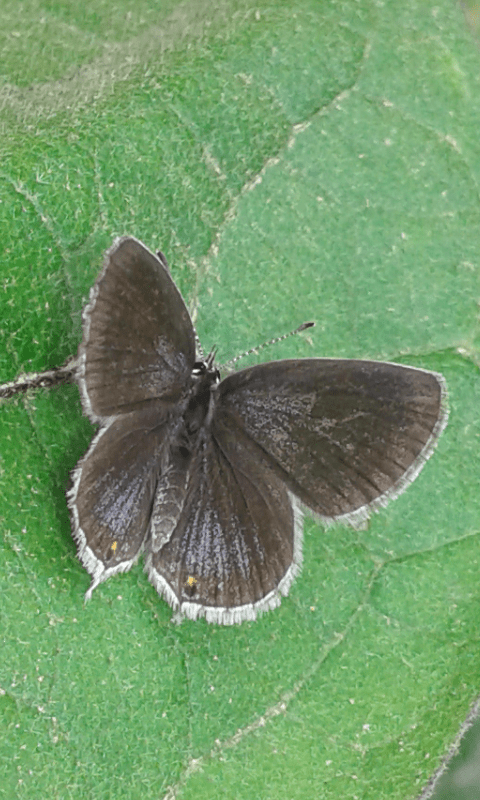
205	379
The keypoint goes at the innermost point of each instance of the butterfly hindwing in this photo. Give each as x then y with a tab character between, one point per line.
113	490
237	543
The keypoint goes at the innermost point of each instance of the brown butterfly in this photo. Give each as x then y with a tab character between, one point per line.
208	477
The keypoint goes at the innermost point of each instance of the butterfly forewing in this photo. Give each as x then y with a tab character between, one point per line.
343	435
138	341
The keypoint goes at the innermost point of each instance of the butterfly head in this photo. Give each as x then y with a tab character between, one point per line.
206	371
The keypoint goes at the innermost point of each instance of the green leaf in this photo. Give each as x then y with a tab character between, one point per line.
295	161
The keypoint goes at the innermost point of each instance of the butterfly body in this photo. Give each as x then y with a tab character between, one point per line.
208	477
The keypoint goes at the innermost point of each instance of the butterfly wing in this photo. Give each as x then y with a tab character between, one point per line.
345	436
235	548
138	340
113	490
135	364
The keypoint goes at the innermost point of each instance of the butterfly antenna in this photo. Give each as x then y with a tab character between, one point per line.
210	359
198	347
300	328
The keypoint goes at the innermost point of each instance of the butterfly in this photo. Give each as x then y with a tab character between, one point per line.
208	477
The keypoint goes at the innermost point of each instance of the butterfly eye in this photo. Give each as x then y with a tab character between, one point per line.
199	368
